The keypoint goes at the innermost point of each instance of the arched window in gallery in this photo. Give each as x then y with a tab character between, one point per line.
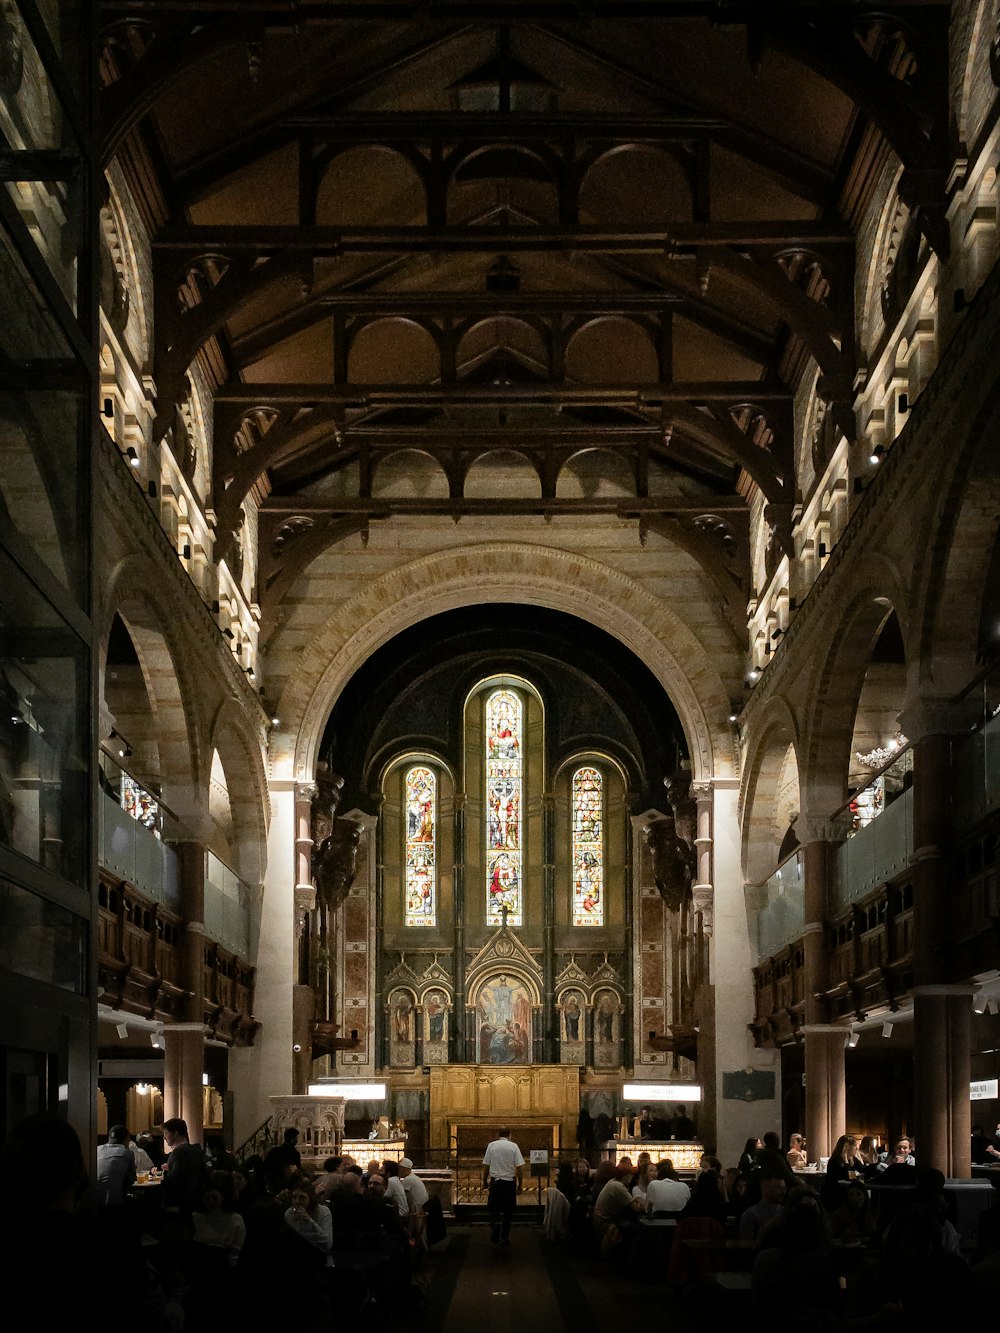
504	769
587	825
419	857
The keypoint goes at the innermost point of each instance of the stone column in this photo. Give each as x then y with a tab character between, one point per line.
703	923
942	1026
303	994
826	1093
184	1060
458	1035
941	1009
547	1015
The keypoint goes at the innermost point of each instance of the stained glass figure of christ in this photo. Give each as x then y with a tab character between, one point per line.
504	846
421	818
588	848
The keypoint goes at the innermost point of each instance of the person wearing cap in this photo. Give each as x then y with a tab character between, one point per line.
502	1173
413	1187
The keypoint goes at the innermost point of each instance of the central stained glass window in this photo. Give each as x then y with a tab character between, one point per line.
504	771
421	845
588	847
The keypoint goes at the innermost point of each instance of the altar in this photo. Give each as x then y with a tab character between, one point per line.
468	1103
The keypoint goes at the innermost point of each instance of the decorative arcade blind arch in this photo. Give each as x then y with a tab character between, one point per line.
504	782
588	847
420	860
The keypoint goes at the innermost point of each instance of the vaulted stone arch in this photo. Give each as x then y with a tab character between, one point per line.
153	625
539	576
240	753
836	690
777	732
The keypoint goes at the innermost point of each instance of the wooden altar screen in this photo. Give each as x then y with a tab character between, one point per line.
469	1103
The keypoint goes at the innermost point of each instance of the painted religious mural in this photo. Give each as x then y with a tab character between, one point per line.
504	846
572	1027
435	1028
402	1029
503	1022
420	852
588	847
607	1029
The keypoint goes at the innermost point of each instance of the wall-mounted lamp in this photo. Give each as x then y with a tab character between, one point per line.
903	404
853	1039
875	457
151	488
251	674
777	634
229	633
822	550
753	675
886	1029
132	456
186	551
122	1030
275	721
979	1003
123	747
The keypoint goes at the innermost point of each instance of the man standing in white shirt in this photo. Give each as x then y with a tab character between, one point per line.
413	1186
502	1173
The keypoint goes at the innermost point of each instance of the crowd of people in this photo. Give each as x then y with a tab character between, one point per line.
869	1236
195	1235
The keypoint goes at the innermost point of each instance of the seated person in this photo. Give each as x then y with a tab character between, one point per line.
797	1157
217	1225
855	1221
615	1206
901	1155
309	1219
667	1194
708	1198
753	1220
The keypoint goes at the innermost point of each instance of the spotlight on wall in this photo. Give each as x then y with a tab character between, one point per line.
275	721
979	1003
753	675
251	674
886	1029
122	1030
154	1041
151	489
853	1039
875	457
132	456
822	550
229	633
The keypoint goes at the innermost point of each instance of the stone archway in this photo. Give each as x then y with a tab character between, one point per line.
495	572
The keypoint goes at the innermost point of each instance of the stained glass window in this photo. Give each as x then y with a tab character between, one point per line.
421	847
137	802
504	845
588	847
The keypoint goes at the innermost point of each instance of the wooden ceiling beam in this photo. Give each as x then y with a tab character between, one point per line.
577	395
460	239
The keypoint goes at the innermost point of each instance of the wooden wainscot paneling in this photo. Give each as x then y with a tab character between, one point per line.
488	1096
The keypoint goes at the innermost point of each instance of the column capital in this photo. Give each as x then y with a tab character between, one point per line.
921	718
703	790
305	791
809	830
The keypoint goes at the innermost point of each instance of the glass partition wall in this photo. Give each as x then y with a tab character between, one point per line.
48	373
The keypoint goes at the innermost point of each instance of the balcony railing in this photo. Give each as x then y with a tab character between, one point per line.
782	917
132	824
232	914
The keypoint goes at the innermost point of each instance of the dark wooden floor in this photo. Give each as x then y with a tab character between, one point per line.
536	1286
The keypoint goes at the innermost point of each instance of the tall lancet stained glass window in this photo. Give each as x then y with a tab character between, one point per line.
504	771
588	847
421	847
